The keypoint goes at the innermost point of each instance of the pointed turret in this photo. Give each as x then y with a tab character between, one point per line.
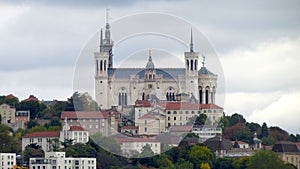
150	64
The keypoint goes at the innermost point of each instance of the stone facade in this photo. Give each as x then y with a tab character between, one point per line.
123	86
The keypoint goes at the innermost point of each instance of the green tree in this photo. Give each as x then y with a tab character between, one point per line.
33	106
279	134
241	163
224	163
183	164
253	126
164	162
32	150
264	131
32	123
236	118
7	142
37	129
147	151
224	122
108	143
84	102
201	154
265	159
268	141
204	166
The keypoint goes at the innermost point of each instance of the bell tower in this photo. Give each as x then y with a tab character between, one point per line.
191	69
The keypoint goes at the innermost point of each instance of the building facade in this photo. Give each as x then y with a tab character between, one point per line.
58	160
43	139
123	86
7	160
7	113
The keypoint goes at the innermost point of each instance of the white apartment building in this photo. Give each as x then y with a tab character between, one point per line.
130	145
7	160
207	131
58	160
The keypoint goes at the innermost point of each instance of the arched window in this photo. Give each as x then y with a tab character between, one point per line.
122	96
192	64
175	112
169	112
101	65
104	65
170	96
200	96
206	94
187	64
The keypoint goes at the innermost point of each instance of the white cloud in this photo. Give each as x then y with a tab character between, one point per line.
9	13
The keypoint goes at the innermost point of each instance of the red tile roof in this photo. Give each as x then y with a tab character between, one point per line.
11	96
87	114
181	128
76	128
130	127
31	98
142	103
149	116
43	134
188	106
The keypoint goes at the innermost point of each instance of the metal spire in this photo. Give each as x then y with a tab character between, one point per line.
191	44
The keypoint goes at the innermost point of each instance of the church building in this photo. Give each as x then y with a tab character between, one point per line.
123	86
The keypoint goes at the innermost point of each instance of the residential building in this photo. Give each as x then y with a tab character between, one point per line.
44	139
206	131
57	160
288	152
22	118
131	145
7	160
220	146
151	124
7	113
130	129
105	122
75	133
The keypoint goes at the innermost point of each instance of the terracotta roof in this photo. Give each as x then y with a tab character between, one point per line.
134	139
130	127
31	98
181	128
43	134
87	114
76	128
149	116
142	103
188	106
11	96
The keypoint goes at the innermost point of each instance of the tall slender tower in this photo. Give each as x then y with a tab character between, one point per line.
103	62
191	66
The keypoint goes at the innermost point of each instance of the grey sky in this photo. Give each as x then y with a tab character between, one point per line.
257	43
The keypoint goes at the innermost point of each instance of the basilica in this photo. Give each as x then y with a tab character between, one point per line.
124	86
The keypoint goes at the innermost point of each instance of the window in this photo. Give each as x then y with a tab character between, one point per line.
174	118
186	112
168	118
175	112
169	112
145	129
180	112
193	112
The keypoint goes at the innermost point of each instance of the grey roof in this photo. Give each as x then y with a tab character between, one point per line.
205	71
127	72
150	64
285	147
218	143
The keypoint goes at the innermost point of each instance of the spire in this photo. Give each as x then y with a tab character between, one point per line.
101	37
150	64
191	44
107	27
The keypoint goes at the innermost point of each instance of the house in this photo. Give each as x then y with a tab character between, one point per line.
288	152
7	160
181	131
206	131
50	139
220	146
42	139
22	118
7	113
151	124
240	144
133	130
105	122
131	145
58	160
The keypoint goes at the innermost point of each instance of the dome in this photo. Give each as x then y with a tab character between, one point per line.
150	64
204	71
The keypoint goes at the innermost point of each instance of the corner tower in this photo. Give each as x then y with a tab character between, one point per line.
103	63
191	69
